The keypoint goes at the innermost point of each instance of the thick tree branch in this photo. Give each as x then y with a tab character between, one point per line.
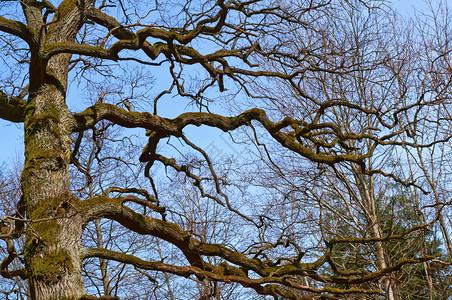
118	31
113	208
221	273
4	272
174	127
12	109
18	29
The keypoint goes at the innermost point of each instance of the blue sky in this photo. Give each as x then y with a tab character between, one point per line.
12	140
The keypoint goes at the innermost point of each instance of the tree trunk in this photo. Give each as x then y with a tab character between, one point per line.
53	237
366	191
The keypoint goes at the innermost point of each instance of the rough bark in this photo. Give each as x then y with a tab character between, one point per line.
54	266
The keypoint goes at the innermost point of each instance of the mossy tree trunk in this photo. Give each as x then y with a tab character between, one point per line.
53	238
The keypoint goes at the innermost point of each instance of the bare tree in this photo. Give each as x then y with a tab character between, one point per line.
189	219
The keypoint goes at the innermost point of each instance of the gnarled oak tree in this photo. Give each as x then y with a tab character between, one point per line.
331	84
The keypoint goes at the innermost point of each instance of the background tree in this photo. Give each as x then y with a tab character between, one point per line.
349	202
351	91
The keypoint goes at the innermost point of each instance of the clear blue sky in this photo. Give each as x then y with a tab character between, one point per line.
12	141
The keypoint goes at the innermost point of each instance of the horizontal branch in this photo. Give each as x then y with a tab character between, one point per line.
18	29
174	127
9	274
185	271
120	32
139	263
12	109
265	285
193	249
113	208
12	254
